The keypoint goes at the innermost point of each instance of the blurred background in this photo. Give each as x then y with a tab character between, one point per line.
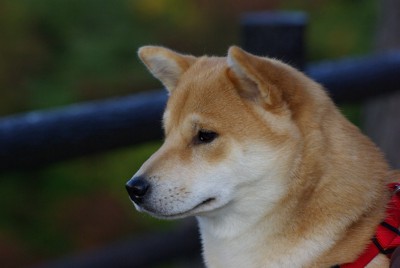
58	52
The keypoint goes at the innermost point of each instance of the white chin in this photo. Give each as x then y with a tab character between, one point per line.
207	205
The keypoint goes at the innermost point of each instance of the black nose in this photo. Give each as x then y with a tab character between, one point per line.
137	188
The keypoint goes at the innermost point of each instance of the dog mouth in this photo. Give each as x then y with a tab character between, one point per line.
199	208
205	202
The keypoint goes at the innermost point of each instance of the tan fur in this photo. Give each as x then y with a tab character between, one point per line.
292	183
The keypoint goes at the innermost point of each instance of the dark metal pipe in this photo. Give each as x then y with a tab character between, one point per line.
37	138
357	79
142	251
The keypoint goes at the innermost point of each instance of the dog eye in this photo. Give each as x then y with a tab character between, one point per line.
205	136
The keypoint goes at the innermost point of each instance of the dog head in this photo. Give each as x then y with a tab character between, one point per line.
232	140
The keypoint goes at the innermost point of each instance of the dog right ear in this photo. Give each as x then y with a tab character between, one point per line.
165	64
256	77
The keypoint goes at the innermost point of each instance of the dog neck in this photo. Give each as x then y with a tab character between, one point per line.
249	242
247	235
229	239
233	237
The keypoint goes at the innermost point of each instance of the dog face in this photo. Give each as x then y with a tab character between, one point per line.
230	141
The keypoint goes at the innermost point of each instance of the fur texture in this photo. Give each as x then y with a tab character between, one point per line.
286	181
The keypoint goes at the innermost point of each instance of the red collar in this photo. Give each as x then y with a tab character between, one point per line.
387	236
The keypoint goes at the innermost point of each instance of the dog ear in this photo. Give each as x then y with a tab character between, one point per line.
165	64
255	77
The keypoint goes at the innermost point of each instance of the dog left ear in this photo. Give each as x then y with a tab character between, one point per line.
165	64
255	77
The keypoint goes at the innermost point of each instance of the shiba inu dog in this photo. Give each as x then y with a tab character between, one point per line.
258	152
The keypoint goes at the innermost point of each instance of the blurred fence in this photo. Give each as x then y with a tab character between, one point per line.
36	139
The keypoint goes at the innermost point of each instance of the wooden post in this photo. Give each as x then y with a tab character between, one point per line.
278	35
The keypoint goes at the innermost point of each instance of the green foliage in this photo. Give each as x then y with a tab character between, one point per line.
73	205
352	113
338	28
56	52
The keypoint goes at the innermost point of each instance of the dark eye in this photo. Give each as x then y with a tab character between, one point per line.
204	136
